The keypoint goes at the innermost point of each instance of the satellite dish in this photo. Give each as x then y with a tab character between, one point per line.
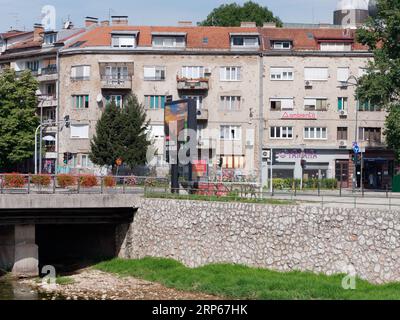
67	25
99	98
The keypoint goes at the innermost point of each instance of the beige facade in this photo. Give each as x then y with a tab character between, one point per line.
212	116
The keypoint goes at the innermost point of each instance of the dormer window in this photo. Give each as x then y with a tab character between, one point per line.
335	46
123	39
282	45
244	41
50	38
169	40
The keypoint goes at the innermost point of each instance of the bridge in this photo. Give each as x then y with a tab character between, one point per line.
40	229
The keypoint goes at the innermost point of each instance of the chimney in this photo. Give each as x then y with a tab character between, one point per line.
119	20
105	23
185	23
90	21
245	24
38	31
269	25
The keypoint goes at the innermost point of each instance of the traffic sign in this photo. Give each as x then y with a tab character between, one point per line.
356	148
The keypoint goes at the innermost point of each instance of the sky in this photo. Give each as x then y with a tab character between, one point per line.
22	14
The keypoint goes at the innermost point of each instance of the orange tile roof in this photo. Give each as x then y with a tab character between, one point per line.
218	37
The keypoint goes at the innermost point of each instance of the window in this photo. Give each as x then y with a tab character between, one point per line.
33	65
343	74
49	114
205	40
315	104
335	46
168	41
123	41
155	102
51	89
370	134
116	75
282	45
80	73
278	104
230	74
85	161
80	101
189	72
117	99
233	162
342	133
230	103
243	41
368	106
50	38
281	133
316	74
313	133
230	132
342	103
154	73
79	131
279	74
197	99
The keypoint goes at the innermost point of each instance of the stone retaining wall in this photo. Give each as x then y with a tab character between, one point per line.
330	240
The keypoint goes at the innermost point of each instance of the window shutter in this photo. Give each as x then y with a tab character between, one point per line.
149	72
343	74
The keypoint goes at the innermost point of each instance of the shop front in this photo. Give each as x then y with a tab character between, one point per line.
310	164
378	169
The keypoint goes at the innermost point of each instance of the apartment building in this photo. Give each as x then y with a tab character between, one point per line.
312	116
217	67
37	51
290	90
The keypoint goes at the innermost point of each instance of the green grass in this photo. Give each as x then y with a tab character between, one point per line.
63	281
241	282
218	199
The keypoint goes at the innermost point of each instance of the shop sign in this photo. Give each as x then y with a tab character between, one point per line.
299	116
298	154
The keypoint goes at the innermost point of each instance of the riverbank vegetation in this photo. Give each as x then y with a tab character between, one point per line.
241	282
226	198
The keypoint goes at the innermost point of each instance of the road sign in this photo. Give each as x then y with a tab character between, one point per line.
356	148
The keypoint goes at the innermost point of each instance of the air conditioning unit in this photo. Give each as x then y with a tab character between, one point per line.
308	84
343	113
207	71
266	154
249	143
343	85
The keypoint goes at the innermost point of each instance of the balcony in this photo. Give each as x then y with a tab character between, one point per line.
49	73
116	82
47	101
192	84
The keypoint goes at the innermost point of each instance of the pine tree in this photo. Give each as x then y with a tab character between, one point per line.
134	133
121	134
105	144
18	119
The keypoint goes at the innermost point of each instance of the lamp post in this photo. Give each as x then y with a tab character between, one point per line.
348	83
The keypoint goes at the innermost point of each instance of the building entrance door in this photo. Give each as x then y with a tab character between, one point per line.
342	173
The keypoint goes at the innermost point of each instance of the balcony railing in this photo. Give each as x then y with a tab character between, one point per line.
116	82
47	101
192	84
50	69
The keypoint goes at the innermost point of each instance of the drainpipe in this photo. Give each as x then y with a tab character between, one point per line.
58	112
261	119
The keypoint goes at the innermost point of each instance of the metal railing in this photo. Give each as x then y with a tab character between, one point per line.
77	184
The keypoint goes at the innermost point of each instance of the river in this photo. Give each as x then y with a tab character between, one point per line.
13	290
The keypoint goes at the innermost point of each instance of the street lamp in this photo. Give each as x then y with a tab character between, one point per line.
355	84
